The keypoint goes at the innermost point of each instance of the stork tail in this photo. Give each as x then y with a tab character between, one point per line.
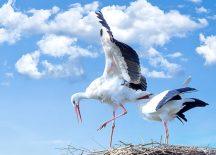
190	105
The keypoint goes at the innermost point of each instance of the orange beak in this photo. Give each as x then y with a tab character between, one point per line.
77	110
145	97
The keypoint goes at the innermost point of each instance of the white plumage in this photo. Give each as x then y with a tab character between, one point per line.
166	112
121	81
170	104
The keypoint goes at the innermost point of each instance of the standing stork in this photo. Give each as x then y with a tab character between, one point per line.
170	104
121	81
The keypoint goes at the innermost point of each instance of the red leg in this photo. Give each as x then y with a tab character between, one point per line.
113	127
114	118
166	131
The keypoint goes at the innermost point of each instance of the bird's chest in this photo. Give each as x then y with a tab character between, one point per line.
110	90
107	90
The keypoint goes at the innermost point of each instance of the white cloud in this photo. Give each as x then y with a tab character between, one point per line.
195	1
175	55
54	46
28	65
203	21
58	46
18	22
207	49
139	23
75	21
201	10
156	60
8	36
154	73
141	20
62	70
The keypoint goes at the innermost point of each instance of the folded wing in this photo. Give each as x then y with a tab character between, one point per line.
173	95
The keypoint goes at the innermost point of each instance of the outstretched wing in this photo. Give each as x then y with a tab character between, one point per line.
104	23
126	59
173	95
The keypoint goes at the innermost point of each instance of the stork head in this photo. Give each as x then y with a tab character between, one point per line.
75	99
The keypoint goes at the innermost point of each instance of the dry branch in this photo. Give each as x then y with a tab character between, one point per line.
153	148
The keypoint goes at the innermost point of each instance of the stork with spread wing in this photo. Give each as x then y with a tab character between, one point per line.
121	81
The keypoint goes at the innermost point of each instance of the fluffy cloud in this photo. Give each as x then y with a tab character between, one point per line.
157	60
175	55
139	23
207	49
58	46
154	73
28	65
148	24
201	10
8	36
53	46
139	20
17	23
62	70
78	20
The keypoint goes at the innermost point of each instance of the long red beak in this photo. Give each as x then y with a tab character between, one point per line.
145	97
77	110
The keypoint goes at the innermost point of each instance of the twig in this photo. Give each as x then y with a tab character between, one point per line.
98	143
125	143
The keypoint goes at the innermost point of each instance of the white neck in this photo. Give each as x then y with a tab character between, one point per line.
81	95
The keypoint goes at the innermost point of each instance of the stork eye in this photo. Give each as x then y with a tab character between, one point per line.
73	102
101	32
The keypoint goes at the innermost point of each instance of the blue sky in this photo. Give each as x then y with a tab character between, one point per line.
51	49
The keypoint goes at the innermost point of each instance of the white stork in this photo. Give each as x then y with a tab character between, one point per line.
121	81
170	104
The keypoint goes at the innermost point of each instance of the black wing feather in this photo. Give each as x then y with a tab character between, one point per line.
131	59
141	86
190	105
171	94
104	23
130	56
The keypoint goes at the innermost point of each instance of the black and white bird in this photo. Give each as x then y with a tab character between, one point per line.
121	81
170	104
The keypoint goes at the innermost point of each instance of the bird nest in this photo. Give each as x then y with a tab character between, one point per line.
146	149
